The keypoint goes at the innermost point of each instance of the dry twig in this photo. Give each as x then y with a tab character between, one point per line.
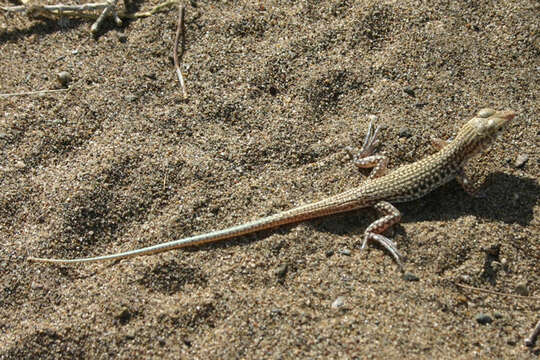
496	292
39	92
180	30
78	11
110	9
531	339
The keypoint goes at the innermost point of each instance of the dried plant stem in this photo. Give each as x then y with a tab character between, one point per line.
56	8
532	338
496	292
180	31
38	92
109	8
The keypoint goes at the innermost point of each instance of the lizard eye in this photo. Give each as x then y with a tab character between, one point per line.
484	113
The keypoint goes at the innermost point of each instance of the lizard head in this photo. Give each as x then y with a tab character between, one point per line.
489	122
482	129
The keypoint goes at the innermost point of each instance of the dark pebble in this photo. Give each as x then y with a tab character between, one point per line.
405	132
521	160
409	91
483	319
410	277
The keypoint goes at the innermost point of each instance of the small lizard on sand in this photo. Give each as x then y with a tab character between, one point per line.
406	183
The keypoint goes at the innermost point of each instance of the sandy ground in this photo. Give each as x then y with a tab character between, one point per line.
277	90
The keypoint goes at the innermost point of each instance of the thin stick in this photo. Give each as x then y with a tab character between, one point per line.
110	9
33	92
180	30
496	292
531	339
152	11
58	7
77	10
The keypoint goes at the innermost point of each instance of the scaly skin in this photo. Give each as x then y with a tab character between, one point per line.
406	183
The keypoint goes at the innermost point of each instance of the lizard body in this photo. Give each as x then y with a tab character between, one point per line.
405	183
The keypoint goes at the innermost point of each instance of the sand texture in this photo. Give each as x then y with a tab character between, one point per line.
277	91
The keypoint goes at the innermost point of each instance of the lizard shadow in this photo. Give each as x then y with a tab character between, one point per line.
507	198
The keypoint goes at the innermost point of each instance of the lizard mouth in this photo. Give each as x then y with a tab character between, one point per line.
508	115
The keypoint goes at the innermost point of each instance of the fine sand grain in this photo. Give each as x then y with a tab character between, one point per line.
277	90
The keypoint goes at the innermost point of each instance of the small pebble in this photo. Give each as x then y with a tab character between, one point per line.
20	165
131	97
151	76
121	37
36	286
281	270
410	277
483	319
345	252
124	315
522	289
409	91
329	253
338	302
404	132
521	160
276	311
461	300
64	78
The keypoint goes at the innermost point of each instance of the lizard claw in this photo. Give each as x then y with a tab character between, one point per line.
370	141
385	242
369	144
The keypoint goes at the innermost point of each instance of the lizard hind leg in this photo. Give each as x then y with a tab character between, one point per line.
374	231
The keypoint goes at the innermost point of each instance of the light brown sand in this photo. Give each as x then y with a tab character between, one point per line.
277	90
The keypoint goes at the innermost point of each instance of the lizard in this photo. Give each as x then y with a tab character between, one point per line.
380	189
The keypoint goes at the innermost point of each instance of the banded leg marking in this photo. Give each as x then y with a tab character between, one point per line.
374	231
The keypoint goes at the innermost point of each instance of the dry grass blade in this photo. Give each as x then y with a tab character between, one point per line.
496	292
38	92
180	31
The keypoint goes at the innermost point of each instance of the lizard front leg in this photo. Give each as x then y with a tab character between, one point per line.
469	186
374	231
474	190
365	158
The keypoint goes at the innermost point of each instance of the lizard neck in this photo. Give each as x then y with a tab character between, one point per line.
466	145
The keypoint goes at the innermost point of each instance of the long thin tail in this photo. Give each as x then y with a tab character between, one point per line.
336	204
